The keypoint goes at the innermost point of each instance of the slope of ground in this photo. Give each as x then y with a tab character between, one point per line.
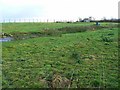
86	59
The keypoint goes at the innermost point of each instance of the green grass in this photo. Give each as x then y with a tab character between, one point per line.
53	30
36	27
84	59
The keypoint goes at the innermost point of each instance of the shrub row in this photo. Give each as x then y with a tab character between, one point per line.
56	32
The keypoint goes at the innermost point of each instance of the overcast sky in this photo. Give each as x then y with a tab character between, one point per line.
58	9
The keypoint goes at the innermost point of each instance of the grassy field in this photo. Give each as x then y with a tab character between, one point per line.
82	59
36	27
30	27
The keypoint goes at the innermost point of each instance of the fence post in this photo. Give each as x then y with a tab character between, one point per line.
14	20
33	20
24	20
4	21
9	20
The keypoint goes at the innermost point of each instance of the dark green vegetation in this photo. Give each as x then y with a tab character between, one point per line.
70	57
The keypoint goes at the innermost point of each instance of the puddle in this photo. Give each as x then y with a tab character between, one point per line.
6	39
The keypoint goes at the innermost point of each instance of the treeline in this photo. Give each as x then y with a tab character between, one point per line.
114	20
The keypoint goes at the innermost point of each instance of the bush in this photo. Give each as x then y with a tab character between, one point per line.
51	32
72	29
95	83
76	56
107	38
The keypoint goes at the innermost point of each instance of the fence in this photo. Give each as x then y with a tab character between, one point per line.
24	20
32	20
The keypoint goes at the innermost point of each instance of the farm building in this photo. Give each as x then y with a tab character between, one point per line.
85	20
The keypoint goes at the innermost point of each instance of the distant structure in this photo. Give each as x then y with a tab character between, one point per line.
80	20
86	20
90	19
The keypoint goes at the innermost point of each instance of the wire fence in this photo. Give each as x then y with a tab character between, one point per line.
33	20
